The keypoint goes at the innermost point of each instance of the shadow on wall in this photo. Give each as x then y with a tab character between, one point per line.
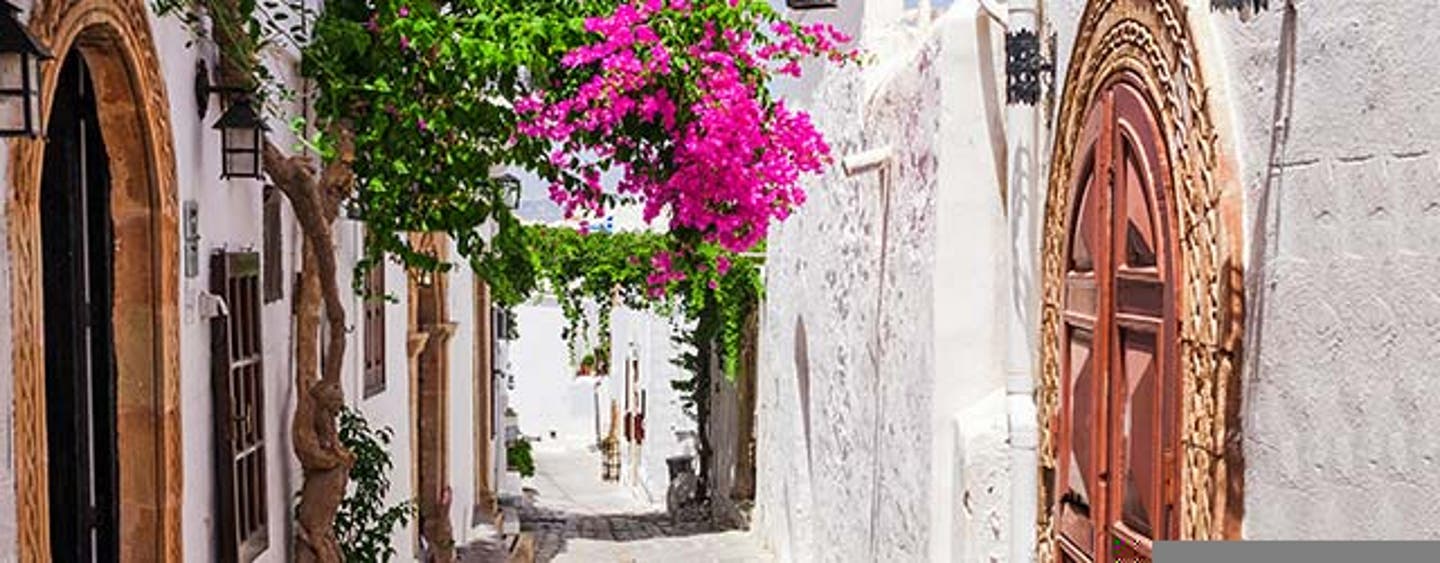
1260	239
802	379
1241	285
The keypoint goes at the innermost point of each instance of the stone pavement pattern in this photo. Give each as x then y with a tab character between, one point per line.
576	517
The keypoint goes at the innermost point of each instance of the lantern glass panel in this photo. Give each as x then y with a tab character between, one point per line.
241	147
12	96
32	94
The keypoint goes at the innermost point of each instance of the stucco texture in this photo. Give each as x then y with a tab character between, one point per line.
1339	125
843	464
881	432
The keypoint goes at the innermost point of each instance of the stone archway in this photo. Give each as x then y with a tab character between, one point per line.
115	40
1153	41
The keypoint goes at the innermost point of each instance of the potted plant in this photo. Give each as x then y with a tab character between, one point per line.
518	458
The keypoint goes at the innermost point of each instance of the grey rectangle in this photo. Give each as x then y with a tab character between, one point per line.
1298	552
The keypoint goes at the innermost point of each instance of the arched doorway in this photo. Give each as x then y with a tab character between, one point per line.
112	39
79	352
1138	391
1117	437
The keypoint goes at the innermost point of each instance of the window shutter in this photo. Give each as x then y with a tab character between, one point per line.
273	262
239	407
375	330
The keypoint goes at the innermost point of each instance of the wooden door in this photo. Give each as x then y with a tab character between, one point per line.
1117	472
78	249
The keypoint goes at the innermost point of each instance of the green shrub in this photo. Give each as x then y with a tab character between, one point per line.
364	524
517	456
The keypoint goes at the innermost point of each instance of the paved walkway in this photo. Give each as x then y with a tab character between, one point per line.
576	517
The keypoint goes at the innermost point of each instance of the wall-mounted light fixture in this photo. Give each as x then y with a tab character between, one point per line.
510	189
242	131
1027	69
20	57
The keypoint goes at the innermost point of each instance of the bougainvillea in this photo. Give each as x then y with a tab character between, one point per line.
672	95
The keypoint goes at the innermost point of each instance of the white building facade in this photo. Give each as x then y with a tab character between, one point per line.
158	159
947	341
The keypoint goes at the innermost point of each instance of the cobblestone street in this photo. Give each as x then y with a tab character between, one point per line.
576	517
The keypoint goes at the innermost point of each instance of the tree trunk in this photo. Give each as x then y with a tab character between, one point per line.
324	460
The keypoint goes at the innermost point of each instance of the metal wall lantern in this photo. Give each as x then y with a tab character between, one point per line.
20	57
1027	69
242	131
809	4
511	189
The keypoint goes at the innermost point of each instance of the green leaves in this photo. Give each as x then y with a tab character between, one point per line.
364	523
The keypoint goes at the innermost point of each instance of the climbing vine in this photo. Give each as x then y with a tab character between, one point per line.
420	102
715	290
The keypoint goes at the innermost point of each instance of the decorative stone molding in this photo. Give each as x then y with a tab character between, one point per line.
115	38
1154	41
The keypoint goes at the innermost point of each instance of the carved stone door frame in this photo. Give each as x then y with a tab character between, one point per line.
1153	44
115	39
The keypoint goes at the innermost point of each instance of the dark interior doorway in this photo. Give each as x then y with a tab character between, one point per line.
77	243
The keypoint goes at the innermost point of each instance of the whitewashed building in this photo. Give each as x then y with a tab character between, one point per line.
1183	292
117	220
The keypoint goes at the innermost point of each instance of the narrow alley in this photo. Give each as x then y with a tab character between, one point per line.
574	516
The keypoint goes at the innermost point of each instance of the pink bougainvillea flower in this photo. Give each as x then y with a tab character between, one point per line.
723	158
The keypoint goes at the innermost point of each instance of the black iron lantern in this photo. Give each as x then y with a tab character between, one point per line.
510	188
809	4
20	57
241	134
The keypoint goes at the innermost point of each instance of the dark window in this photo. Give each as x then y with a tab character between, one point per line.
273	263
375	329
239	393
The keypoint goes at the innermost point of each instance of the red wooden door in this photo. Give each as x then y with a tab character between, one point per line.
1117	475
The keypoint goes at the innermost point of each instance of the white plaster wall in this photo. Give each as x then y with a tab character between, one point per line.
1338	124
890	318
547	395
462	435
646	337
391	407
230	218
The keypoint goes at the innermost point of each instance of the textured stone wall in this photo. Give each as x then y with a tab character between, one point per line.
865	429
880	390
1339	127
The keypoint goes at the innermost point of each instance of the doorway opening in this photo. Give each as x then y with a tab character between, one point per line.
80	368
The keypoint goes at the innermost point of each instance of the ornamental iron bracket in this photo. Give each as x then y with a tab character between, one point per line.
1027	70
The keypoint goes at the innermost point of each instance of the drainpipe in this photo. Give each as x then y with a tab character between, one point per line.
1021	137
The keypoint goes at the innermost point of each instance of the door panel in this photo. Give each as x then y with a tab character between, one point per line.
1117	391
77	247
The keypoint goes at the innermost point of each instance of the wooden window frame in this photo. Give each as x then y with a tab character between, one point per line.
374	331
238	387
273	246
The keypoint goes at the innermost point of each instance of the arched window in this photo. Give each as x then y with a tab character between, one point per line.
1117	478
